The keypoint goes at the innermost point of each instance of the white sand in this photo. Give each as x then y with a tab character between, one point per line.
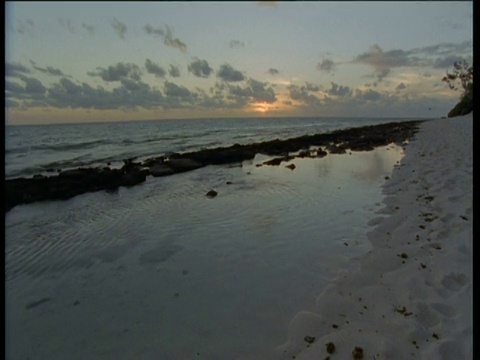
412	295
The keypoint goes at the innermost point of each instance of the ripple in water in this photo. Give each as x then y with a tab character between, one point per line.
135	273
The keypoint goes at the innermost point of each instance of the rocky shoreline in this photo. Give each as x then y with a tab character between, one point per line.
70	183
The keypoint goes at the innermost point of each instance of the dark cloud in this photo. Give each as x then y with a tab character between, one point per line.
174	71
367	95
48	70
273	71
13	88
155	32
326	65
400	86
236	44
175	90
67	24
444	49
118	72
200	68
312	87
303	95
155	69
30	89
339	90
447	61
167	36
119	27
229	74
129	95
260	92
89	28
436	56
15	69
173	42
33	86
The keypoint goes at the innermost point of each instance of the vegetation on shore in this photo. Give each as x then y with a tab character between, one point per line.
463	74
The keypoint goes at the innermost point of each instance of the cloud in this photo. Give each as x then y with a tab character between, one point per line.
367	95
400	86
155	69
33	89
174	90
167	36
303	95
312	87
48	70
273	71
200	68
119	27
326	65
447	61
260	92
436	56
155	32
67	24
173	42
226	95
118	72
464	47
229	74
89	28
174	71
339	90
236	44
128	96
15	69
28	28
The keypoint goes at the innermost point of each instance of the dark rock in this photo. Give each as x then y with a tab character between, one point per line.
278	161
183	164
229	183
333	149
73	182
357	353
321	153
211	194
291	166
133	178
161	170
330	347
309	339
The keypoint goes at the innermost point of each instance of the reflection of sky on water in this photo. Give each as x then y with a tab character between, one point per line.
228	273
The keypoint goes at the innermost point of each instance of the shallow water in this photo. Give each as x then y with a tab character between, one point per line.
161	271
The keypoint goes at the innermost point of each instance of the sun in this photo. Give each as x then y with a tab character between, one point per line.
262	107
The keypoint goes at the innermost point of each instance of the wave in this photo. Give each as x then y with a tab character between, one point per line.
57	147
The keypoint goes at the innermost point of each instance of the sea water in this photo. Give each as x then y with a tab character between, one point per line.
160	271
44	149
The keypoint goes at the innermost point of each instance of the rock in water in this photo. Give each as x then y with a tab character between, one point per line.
211	194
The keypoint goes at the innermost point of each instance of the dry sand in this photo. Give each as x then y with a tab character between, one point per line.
412	295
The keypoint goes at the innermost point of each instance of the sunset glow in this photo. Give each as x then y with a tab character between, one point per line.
160	60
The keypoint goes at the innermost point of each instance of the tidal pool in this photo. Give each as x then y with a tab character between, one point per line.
160	271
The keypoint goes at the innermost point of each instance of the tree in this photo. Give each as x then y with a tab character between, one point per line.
463	74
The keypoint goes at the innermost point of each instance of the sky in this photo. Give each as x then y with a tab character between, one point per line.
117	61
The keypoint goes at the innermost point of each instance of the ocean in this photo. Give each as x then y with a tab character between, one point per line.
45	149
159	270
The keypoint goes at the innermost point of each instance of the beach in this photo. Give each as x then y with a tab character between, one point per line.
411	297
366	253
